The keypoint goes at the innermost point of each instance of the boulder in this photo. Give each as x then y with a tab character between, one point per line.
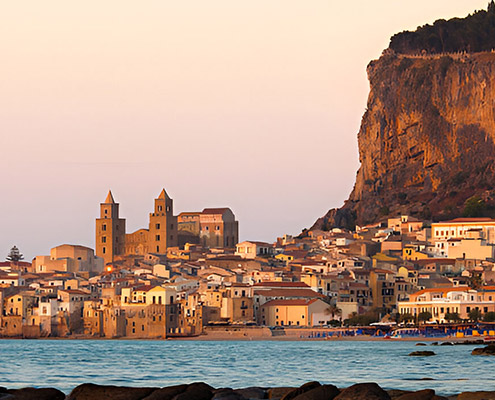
324	392
395	393
166	393
424	353
89	391
484	351
420	344
363	391
427	394
196	391
277	393
253	393
446	344
227	394
300	390
35	394
476	396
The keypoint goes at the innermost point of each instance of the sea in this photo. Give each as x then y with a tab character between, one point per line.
64	364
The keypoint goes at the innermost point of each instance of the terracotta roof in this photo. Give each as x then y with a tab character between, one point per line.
289	293
443	290
220	210
281	284
143	288
74	291
468	220
290	302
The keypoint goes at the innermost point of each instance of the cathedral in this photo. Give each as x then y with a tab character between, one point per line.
212	227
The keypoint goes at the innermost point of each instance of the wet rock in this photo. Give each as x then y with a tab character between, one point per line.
427	394
324	392
227	394
363	391
434	344
34	394
253	393
476	396
166	393
484	351
420	344
300	390
89	391
395	393
424	353
278	392
446	344
196	391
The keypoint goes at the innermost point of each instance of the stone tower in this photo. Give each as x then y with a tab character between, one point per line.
163	225
110	231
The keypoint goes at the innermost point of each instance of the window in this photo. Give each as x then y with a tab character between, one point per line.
157	238
157	249
217	228
106	211
104	250
160	208
157	226
104	227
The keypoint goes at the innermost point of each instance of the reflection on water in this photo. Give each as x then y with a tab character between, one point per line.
66	364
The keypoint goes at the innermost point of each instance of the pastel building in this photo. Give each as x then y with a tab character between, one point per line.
442	301
212	227
459	228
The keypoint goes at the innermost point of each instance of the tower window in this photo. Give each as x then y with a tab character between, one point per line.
157	226
157	249
104	227
157	238
104	250
106	211
104	239
160	208
168	208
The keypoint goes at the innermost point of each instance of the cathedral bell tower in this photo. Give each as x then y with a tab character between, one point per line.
110	231
163	225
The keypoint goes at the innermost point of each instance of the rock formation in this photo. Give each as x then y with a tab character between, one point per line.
427	138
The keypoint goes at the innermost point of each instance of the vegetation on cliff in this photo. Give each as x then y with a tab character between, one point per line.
475	33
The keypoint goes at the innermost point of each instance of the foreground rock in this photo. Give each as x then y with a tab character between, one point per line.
484	351
363	391
31	394
476	396
202	391
425	353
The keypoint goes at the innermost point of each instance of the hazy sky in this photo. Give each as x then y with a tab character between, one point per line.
254	105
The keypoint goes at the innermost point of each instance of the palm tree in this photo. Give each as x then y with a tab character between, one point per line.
333	310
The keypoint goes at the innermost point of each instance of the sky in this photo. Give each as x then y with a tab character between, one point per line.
253	105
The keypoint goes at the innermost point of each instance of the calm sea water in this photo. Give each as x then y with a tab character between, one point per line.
66	364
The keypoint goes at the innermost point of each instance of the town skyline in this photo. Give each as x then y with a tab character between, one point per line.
262	118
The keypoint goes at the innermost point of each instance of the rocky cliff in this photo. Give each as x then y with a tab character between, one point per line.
427	138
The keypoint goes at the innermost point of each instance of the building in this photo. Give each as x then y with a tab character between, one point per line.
295	312
110	231
252	249
69	258
454	300
212	227
458	228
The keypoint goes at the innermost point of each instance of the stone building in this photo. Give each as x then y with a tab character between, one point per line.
212	227
110	231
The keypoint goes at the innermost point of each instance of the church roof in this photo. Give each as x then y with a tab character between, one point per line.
109	199
163	195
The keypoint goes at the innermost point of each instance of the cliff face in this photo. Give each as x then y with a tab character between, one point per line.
427	139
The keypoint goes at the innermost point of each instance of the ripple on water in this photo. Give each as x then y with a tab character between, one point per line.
238	364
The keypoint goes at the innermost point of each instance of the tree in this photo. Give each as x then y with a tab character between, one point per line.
406	317
474	315
474	207
489	316
424	316
452	317
15	255
333	311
